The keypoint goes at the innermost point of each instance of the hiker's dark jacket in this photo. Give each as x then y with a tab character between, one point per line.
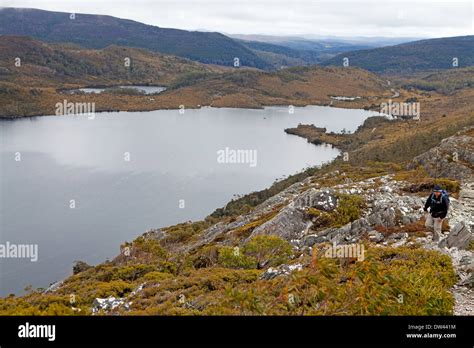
438	207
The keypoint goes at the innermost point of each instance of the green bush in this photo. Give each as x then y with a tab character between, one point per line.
183	232
132	273
390	281
207	256
168	267
320	218
233	258
426	184
349	208
156	276
150	246
268	250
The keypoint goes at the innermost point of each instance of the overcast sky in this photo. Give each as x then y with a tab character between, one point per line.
397	18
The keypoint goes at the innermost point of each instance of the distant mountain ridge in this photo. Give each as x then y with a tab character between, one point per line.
310	41
297	53
98	31
423	55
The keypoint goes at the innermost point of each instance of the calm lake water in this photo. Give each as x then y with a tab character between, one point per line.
129	171
144	89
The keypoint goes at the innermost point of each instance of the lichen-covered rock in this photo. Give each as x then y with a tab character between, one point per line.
459	237
453	158
272	272
320	199
108	304
462	209
154	234
375	236
271	204
469	281
288	224
390	210
54	287
348	233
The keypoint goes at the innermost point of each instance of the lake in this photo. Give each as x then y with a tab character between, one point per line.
78	187
143	89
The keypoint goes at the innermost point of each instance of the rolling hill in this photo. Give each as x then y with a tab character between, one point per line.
418	56
445	81
281	55
96	31
58	65
47	69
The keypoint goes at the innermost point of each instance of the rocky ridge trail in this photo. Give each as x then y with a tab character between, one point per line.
390	208
463	260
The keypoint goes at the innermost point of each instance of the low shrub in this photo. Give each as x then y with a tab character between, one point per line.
233	258
268	250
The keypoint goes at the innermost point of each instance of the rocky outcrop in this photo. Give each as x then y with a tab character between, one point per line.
348	233
459	237
387	207
288	224
108	304
154	234
325	199
469	281
271	204
54	286
453	158
463	207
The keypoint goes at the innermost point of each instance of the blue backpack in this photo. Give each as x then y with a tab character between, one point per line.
445	195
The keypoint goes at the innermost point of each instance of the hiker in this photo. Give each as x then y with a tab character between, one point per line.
438	203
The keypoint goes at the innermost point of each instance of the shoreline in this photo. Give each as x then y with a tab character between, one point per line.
250	107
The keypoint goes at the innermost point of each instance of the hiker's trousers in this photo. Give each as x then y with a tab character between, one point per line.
435	225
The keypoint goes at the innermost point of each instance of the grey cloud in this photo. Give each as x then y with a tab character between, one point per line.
284	17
